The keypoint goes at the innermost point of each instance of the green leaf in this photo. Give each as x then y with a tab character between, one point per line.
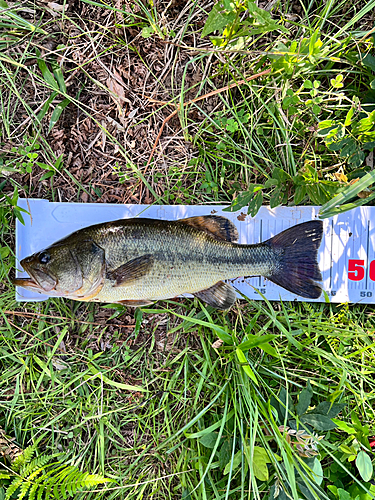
346	449
277	198
319	422
369	62
348	146
209	440
316	109
244	198
236	462
147	31
255	204
45	107
17	212
329	409
255	341
217	19
347	206
232	125
263	21
57	71
110	382
225	453
57	113
260	461
47	175
363	125
47	75
245	365
313	42
318	471
343	494
304	399
281	407
349	116
364	465
4	252
358	425
357	159
348	193
299	194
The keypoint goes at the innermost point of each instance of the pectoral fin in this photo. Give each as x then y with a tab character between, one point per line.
221	295
131	270
219	228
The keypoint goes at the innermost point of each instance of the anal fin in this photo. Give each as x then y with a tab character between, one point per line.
221	295
135	303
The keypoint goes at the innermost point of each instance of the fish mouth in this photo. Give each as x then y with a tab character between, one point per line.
29	283
38	281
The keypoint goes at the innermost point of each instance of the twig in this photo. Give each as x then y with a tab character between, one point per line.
26	314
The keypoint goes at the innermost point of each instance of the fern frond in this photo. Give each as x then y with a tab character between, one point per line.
41	480
14	485
37	463
24	490
24	458
34	480
95	479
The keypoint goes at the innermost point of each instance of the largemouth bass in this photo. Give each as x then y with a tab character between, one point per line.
139	261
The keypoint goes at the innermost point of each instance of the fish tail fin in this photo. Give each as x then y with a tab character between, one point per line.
297	267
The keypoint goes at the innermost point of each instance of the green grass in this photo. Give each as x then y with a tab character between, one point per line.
195	395
182	401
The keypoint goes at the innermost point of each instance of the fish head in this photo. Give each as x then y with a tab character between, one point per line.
65	270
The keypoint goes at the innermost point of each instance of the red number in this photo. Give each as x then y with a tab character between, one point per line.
372	270
356	269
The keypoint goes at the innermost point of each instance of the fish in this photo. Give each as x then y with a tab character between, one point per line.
139	261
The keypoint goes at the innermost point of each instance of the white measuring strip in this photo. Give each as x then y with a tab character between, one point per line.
346	255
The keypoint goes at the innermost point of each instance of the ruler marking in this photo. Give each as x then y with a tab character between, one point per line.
261	241
367	251
331	262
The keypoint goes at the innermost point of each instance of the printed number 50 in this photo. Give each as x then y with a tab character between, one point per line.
356	270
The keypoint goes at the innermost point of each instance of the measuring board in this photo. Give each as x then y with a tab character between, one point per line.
346	256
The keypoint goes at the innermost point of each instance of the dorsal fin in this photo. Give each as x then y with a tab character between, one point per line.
219	228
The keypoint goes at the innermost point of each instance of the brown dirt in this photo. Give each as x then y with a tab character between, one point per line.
120	80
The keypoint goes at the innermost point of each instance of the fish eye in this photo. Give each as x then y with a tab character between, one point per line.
44	258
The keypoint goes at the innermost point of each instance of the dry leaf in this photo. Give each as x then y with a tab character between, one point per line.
353	181
341	177
241	217
218	343
117	92
365	193
56	6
